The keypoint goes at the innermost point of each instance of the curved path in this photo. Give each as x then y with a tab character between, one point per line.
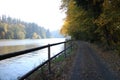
88	65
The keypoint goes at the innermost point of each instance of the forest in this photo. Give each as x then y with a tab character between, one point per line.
95	21
11	28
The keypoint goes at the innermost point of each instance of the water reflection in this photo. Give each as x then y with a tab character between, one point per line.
9	49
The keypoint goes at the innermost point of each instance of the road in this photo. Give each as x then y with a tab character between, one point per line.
89	66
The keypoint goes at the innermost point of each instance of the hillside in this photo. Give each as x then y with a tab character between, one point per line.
11	28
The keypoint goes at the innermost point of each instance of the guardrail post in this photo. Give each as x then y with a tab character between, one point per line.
71	45
49	63
65	49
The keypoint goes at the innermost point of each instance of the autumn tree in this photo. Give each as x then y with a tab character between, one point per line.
93	20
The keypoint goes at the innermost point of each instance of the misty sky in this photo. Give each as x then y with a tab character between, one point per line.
45	13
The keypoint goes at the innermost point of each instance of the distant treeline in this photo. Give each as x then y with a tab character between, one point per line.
16	29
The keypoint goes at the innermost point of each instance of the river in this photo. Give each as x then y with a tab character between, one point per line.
13	68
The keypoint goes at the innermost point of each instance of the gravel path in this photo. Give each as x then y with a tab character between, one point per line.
88	65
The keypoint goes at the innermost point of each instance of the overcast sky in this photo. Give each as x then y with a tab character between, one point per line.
45	13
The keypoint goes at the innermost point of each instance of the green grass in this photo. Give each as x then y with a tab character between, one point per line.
59	58
62	56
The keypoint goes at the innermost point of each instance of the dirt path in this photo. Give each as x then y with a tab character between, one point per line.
88	65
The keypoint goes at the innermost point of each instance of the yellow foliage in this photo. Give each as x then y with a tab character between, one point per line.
6	28
64	28
35	36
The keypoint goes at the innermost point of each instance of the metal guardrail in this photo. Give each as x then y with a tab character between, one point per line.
14	54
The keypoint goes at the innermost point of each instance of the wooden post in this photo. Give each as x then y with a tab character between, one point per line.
65	49
71	46
49	63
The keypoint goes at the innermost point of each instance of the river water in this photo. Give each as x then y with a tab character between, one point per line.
13	68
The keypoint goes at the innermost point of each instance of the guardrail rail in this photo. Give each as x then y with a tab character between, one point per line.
14	54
